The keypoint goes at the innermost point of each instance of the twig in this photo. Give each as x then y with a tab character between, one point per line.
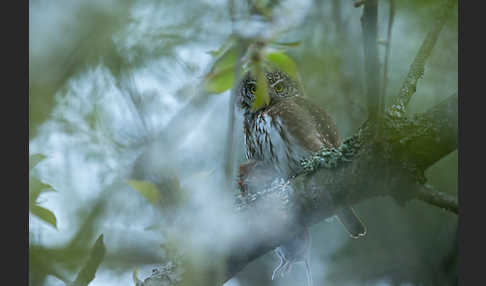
229	158
391	18
336	12
416	71
369	24
437	198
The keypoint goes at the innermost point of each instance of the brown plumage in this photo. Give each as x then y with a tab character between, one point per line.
286	131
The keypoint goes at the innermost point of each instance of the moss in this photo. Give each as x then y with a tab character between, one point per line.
332	157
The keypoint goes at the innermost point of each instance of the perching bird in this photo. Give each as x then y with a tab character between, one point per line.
279	135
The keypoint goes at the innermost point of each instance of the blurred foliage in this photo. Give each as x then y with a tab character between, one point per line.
118	92
34	160
283	62
146	189
256	60
87	273
221	76
36	187
258	57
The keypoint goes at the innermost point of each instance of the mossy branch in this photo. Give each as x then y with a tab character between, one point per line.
409	146
417	68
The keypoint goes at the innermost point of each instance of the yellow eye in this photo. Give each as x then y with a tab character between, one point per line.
279	87
253	89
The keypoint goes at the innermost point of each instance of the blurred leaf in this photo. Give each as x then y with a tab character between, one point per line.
146	189
34	160
225	61
287	44
42	262
135	277
220	82
44	214
261	96
262	7
283	62
157	226
36	187
87	273
221	75
230	41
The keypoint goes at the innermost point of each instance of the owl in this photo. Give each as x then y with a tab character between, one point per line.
278	136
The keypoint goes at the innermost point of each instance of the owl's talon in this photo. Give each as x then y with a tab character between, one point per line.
283	266
281	270
286	269
243	188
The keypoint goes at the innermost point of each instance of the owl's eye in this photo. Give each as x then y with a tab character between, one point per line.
279	87
253	89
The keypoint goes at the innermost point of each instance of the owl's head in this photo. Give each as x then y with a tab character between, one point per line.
280	85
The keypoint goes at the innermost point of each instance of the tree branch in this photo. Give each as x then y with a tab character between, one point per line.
428	137
391	18
437	198
416	71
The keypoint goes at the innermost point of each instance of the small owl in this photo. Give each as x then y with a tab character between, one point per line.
281	134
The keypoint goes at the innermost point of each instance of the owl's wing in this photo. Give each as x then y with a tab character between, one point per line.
306	122
313	128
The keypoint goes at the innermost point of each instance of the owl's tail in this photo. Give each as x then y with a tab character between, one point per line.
351	222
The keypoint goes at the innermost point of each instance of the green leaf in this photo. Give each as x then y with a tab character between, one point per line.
146	189
44	214
34	160
36	187
220	82
87	273
283	62
262	98
225	61
221	76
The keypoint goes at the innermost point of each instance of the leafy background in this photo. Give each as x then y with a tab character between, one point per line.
117	99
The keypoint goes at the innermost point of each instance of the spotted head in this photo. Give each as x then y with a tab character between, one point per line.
280	85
